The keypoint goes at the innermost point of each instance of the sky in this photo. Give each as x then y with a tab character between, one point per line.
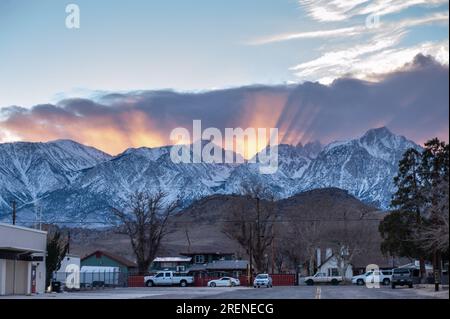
210	50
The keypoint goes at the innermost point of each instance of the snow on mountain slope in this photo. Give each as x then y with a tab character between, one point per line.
30	170
365	167
75	182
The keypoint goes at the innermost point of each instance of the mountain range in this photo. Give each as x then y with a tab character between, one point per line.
70	182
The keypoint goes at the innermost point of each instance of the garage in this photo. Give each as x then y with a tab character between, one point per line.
22	260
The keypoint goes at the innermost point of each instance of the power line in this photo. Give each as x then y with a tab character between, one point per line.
300	220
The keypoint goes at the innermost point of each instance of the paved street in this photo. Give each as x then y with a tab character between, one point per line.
296	292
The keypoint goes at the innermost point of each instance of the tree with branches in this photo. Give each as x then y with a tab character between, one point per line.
145	222
252	222
57	249
419	223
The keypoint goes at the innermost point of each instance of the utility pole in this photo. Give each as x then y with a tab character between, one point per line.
250	275
68	242
273	249
258	232
14	212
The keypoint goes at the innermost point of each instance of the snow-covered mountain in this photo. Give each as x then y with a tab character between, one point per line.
30	171
70	181
365	167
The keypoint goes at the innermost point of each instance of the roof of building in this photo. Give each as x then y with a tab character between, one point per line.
206	252
227	265
119	259
197	267
24	228
172	259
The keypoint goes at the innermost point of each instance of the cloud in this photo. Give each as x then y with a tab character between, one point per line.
355	30
340	10
379	55
412	100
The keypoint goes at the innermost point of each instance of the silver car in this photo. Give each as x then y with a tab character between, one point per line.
262	280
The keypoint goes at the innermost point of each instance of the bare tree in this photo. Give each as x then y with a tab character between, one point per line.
146	224
250	223
435	233
352	237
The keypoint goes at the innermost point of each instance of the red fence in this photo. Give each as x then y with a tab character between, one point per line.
136	281
284	279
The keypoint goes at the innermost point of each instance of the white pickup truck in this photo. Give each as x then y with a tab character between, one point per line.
320	278
168	278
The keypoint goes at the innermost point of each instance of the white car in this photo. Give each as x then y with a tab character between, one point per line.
262	280
224	282
321	278
168	278
383	276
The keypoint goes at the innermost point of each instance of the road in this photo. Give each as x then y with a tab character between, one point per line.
295	292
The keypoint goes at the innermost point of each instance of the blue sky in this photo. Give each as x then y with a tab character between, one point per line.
205	44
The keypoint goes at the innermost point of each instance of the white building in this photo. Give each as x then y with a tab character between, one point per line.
22	260
332	266
67	264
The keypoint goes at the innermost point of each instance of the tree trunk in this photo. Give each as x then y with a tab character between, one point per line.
422	270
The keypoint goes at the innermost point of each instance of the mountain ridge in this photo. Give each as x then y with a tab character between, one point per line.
71	181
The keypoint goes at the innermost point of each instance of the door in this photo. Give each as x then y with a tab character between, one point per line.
167	278
224	282
33	279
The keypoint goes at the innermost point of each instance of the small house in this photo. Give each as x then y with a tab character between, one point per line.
180	264
204	257
103	258
233	268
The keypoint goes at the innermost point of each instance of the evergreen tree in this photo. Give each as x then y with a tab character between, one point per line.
56	251
417	204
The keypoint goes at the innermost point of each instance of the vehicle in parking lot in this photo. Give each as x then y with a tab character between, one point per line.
224	282
168	278
402	277
381	276
262	280
320	278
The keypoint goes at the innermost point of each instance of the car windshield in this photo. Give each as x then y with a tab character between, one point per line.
261	277
401	271
368	273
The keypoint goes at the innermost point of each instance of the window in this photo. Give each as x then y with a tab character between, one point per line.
160	275
167	274
333	272
181	268
199	259
401	271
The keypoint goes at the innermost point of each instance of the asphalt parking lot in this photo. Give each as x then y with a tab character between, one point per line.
292	292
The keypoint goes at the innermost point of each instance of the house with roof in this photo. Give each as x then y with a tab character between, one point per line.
233	268
207	256
180	264
22	260
106	259
330	265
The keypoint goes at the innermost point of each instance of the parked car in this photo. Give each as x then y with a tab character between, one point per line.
224	282
262	280
320	278
383	276
168	278
402	277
